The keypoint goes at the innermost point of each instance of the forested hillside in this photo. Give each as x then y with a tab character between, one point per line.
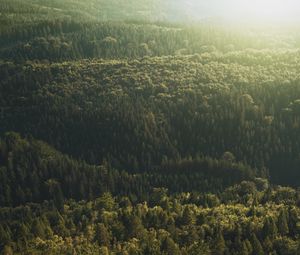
201	206
127	127
166	108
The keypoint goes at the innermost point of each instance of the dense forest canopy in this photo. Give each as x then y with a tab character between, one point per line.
149	127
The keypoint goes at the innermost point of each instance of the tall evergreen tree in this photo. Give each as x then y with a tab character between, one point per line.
257	248
282	222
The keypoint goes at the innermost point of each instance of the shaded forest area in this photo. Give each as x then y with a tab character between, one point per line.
165	108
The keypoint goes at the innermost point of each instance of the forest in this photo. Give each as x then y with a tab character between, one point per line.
127	128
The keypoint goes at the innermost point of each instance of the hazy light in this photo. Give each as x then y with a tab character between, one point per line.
268	10
275	11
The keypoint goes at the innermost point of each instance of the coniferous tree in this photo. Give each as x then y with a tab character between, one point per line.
282	223
257	248
219	246
169	247
38	229
102	235
269	228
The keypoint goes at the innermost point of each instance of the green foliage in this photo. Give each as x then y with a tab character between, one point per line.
29	166
102	236
169	138
257	248
219	245
282	223
139	229
135	101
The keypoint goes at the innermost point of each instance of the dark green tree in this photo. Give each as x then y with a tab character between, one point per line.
257	247
102	236
282	222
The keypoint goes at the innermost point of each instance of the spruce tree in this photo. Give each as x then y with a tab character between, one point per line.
219	246
102	235
282	223
257	248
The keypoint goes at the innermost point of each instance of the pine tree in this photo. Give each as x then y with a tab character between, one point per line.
187	216
219	246
238	239
102	235
4	236
244	249
38	229
199	248
267	244
247	245
293	221
282	223
257	248
169	247
298	249
269	228
135	228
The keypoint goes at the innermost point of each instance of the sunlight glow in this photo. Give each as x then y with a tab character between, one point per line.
274	11
269	10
